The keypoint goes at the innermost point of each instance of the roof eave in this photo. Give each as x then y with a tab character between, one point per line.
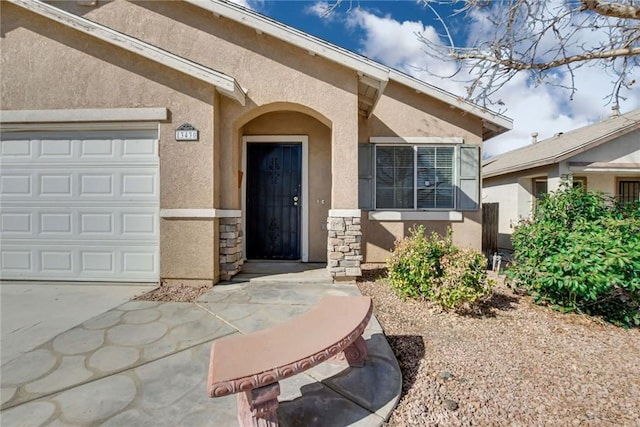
588	145
493	123
295	37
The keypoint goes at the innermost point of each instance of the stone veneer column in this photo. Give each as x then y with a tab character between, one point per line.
344	254
231	258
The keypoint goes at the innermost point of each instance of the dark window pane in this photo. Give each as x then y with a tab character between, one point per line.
394	177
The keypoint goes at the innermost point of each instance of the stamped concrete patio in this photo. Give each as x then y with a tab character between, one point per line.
145	363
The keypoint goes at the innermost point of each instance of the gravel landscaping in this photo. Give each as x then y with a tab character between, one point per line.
514	363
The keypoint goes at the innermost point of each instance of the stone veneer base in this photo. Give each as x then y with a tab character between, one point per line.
344	246
231	259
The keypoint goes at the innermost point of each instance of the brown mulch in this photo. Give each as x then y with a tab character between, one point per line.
513	363
173	293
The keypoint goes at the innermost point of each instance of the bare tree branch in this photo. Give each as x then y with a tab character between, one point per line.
547	40
538	37
616	10
543	66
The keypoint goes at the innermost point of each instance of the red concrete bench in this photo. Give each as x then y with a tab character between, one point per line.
252	364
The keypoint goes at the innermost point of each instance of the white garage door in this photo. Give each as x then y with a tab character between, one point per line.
79	206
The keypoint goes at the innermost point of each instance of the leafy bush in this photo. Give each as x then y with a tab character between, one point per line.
433	268
580	252
464	279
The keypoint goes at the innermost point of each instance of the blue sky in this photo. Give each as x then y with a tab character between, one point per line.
386	32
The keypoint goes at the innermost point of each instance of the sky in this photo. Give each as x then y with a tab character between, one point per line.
386	31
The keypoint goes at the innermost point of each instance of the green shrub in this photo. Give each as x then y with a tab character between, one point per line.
433	268
464	280
580	252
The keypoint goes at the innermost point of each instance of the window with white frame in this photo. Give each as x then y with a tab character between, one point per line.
414	177
419	177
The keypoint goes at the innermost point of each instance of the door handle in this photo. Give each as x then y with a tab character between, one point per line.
295	200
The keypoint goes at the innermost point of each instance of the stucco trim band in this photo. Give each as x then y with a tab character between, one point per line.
84	115
340	213
225	84
416	140
200	213
415	216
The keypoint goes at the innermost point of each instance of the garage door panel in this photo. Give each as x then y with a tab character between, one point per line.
137	149
110	146
55	224
56	149
80	223
119	183
96	184
55	185
103	262
16	149
18	223
79	205
17	185
16	260
98	261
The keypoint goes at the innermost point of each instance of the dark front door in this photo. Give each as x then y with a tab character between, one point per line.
273	200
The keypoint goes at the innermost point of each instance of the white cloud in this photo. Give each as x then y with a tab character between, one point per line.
544	109
244	3
321	9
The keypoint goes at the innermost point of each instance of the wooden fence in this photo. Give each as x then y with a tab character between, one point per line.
489	229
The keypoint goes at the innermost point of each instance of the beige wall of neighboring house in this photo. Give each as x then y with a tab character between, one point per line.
301	87
602	167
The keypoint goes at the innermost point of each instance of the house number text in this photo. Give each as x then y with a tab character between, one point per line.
186	132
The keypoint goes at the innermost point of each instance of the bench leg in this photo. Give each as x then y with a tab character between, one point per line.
354	355
257	407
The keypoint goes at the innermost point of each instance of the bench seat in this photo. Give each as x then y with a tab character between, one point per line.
253	364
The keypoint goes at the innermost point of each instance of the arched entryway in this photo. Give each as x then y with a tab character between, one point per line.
286	188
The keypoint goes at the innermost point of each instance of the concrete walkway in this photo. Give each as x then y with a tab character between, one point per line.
145	364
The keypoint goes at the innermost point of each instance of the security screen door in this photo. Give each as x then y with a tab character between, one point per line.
273	194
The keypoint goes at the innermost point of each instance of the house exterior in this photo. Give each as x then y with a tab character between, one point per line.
172	141
604	156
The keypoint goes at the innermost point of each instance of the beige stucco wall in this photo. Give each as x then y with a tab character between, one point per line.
601	182
82	72
401	112
319	191
270	70
277	77
505	192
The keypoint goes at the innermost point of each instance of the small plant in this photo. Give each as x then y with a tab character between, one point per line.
434	268
464	280
581	253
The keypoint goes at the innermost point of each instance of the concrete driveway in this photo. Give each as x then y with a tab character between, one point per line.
32	313
99	360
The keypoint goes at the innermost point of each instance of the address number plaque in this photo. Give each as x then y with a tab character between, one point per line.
186	132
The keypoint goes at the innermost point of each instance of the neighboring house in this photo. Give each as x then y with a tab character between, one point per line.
171	141
604	156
